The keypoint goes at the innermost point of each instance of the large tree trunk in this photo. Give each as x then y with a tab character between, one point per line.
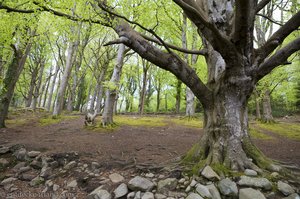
12	75
144	86
257	105
178	96
64	80
111	93
267	109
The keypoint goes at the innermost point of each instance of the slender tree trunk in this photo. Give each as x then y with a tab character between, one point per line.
12	75
166	102
257	105
143	90
158	96
107	117
52	88
34	74
267	109
100	88
47	89
64	80
37	92
178	96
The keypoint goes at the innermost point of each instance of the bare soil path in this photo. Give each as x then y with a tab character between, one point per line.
152	145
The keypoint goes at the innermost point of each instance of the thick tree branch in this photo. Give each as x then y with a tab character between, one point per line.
261	5
243	23
279	58
167	61
277	38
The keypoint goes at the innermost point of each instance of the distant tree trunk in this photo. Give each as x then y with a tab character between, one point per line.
257	105
166	102
38	86
64	80
111	93
80	94
52	88
267	109
144	86
158	90
178	96
34	73
12	75
94	97
47	87
100	94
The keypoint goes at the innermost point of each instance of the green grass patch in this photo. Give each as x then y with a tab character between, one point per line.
16	122
140	121
256	134
291	131
193	122
48	120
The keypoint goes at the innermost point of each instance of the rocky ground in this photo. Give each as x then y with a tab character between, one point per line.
33	174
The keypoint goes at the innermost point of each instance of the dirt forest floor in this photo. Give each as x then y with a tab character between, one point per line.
145	144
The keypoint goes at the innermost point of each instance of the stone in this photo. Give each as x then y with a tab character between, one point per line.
159	196
148	195
166	185
46	172
26	177
70	165
99	193
285	188
188	189
36	164
21	154
255	182
36	181
24	169
55	187
194	196
209	173
72	184
175	194
138	195
274	175
8	181
250	172
131	195
149	175
18	166
139	183
121	190
203	191
193	183
227	187
292	196
116	178
214	191
3	162
33	154
181	181
249	193
4	150
95	165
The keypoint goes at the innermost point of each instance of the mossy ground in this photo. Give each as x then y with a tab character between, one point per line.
289	130
256	134
48	120
193	122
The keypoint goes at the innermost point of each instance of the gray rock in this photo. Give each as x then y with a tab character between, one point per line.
95	165
227	187
209	173
21	154
8	181
131	195
138	195
72	184
55	187
188	189
166	185
214	191
70	165
193	183
46	172
36	164
175	194
3	162
116	178
255	182
250	172
148	195
203	191
139	183
249	193
36	181
194	196
99	193
4	150
121	190
33	154
24	169
159	196
285	188
274	175
26	177
149	175
292	196
18	166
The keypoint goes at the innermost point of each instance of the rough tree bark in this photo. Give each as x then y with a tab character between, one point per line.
37	88
257	105
144	86
267	109
111	93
